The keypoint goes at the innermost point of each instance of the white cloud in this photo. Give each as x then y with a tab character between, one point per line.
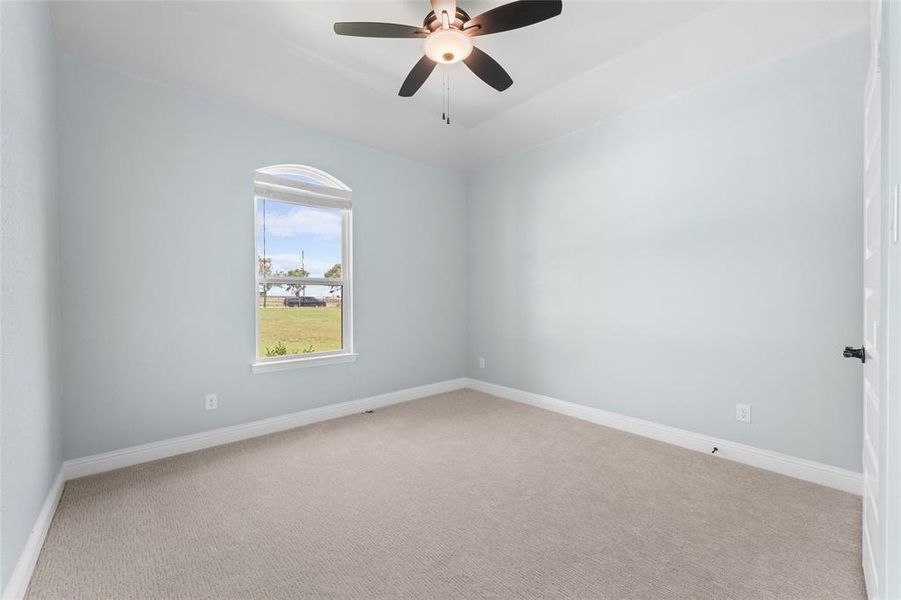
299	220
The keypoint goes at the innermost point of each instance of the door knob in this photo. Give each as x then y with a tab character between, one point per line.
855	353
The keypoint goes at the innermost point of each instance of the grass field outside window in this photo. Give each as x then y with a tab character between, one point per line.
300	329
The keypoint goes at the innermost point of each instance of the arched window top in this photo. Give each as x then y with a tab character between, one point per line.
303	174
302	184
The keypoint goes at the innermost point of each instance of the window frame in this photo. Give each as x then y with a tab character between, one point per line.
331	194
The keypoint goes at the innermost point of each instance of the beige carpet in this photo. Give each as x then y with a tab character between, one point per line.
460	495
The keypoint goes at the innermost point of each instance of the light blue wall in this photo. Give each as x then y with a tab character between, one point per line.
157	257
30	413
689	255
665	264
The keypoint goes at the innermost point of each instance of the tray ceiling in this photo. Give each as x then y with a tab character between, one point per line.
596	60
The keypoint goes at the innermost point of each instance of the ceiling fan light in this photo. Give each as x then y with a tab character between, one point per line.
447	46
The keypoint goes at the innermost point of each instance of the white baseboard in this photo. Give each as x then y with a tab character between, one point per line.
21	575
126	457
799	468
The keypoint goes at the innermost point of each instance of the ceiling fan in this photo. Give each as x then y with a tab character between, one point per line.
446	33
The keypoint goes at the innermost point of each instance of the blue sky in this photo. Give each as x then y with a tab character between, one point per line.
289	229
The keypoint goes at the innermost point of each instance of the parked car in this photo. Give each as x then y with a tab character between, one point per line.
304	301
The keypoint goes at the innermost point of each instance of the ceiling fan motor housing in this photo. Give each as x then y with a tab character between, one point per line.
433	23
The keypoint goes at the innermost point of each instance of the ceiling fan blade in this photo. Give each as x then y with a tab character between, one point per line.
513	16
449	6
487	69
380	30
418	74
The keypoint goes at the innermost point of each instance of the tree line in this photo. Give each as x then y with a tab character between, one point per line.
298	289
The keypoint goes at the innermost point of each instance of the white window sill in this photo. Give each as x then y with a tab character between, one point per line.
271	366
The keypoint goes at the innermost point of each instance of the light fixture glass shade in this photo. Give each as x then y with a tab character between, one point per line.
447	46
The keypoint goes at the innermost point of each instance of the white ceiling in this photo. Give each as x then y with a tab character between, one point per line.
596	60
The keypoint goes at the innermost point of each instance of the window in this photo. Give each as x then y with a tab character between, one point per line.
302	287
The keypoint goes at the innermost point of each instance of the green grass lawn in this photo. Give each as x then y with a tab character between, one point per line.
300	328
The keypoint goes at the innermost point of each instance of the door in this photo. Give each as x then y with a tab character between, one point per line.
888	555
872	318
882	306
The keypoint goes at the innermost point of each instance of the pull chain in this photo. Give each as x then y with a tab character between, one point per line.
444	94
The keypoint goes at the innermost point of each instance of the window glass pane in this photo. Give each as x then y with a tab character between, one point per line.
296	240
299	319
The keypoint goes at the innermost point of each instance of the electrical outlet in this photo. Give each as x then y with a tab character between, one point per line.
743	413
481	363
212	402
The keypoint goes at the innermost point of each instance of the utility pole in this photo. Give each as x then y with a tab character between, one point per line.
265	268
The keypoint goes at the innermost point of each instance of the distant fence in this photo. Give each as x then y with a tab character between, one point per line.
279	301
